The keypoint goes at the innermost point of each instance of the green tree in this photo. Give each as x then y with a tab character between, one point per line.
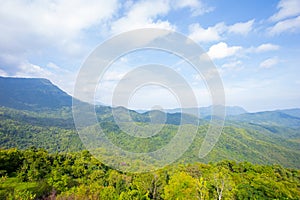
181	186
202	189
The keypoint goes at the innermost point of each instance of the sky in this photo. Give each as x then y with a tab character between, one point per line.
254	45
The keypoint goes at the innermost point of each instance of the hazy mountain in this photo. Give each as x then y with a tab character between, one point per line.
240	141
37	113
271	118
292	112
32	94
107	113
204	112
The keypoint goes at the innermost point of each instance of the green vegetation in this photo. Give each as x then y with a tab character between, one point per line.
55	132
32	94
34	173
22	130
42	156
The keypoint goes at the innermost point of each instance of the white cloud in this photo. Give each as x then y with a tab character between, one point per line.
242	28
270	62
52	65
222	50
48	30
289	25
186	3
197	7
266	47
287	8
29	24
23	68
143	14
215	33
199	34
232	66
113	76
27	69
3	73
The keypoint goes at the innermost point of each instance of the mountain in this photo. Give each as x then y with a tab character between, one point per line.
239	141
34	112
286	118
205	112
53	131
35	94
292	112
32	94
107	113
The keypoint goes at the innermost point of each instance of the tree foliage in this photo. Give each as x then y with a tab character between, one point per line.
34	173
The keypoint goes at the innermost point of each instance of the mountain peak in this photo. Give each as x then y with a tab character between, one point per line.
32	94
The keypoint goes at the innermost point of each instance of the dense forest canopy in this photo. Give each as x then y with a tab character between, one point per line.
34	173
54	131
43	157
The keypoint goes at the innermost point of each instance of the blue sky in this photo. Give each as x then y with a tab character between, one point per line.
254	45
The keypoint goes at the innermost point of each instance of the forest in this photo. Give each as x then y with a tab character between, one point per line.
149	100
43	157
54	131
36	174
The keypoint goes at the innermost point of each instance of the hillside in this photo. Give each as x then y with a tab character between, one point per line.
46	121
204	112
36	174
32	94
239	141
286	118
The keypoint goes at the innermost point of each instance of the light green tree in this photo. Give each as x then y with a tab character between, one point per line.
181	186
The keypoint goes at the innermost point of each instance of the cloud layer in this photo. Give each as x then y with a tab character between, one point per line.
51	38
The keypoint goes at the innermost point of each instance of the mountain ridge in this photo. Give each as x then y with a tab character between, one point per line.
32	94
38	88
262	137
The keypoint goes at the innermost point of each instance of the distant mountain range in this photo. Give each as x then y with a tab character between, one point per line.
34	112
287	118
204	112
36	94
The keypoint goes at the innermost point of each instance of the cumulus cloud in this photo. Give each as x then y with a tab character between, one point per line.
197	7
266	47
143	14
47	30
287	8
13	66
222	50
216	33
199	34
268	63
242	28
289	25
27	69
26	24
65	79
287	18
146	13
235	65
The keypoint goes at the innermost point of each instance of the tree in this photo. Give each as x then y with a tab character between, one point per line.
202	189
181	186
221	182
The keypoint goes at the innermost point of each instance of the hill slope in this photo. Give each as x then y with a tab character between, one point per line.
239	141
204	112
37	113
32	94
270	118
